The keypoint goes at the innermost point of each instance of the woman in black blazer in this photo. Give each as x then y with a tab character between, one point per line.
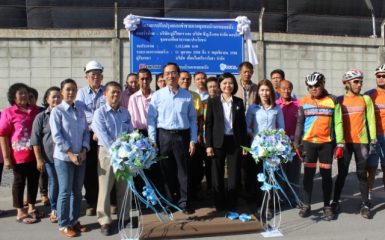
226	132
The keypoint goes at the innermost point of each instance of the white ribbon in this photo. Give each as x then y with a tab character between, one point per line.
243	28
131	22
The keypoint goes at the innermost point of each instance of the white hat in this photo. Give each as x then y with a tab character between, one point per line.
93	65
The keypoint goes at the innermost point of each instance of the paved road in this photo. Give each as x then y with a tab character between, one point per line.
349	225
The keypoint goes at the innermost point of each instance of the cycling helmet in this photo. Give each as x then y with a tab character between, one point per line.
314	78
380	69
352	74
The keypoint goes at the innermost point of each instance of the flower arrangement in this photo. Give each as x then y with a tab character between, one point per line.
272	146
130	153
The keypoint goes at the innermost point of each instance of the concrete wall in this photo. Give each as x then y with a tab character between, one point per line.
43	58
300	55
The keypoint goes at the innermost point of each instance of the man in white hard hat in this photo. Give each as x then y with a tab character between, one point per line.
93	98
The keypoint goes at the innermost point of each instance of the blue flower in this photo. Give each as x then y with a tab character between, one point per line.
266	187
261	177
130	153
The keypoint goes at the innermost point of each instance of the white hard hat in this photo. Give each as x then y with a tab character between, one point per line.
93	65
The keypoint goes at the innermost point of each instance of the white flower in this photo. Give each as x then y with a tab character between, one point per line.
280	147
131	22
261	152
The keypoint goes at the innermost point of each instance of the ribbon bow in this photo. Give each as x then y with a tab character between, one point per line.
243	28
131	22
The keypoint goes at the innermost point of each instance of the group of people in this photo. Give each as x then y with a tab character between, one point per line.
200	133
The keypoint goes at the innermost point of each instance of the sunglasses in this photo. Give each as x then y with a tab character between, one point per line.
357	81
380	76
314	86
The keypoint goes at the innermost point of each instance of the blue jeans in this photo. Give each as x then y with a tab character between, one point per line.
53	185
71	178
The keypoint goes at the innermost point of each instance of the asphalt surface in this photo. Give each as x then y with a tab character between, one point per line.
349	224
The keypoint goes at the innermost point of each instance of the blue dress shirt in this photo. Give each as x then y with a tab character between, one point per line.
259	119
172	112
69	129
91	100
109	123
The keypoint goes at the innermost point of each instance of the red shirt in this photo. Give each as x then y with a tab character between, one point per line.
290	114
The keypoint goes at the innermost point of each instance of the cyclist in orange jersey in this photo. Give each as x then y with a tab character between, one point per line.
378	97
359	129
319	126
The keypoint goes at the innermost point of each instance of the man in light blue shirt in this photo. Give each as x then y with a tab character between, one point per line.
172	115
93	98
109	121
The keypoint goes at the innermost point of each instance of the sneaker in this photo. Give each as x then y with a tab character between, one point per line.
80	228
68	232
335	207
328	213
304	211
365	211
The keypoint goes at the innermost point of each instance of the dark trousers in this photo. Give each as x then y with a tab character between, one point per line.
22	173
153	173
361	155
196	169
293	172
1	171
91	176
250	170
231	152
43	183
174	145
323	152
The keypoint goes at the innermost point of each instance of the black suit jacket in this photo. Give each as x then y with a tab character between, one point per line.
215	125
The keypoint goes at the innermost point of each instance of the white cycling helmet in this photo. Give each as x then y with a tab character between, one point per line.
93	65
380	69
314	78
352	74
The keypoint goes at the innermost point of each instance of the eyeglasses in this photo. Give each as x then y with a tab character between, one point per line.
357	81
380	76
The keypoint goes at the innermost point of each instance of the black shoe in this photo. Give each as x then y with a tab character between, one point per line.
126	222
365	211
304	211
105	229
328	213
265	213
336	208
188	211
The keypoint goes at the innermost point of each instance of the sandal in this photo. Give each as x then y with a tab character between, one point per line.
26	219
53	217
36	214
